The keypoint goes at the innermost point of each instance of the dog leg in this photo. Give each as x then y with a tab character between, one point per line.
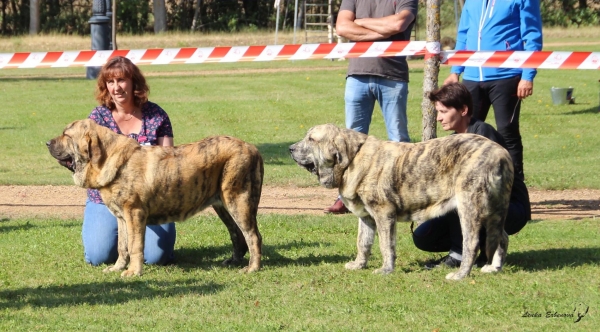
387	245
253	240
136	235
243	214
123	259
364	242
470	226
496	247
240	248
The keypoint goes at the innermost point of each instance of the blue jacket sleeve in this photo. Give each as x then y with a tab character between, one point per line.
531	32
461	39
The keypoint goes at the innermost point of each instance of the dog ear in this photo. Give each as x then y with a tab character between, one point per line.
348	142
95	150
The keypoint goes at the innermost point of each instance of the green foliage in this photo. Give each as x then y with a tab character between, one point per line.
64	17
303	286
567	13
133	16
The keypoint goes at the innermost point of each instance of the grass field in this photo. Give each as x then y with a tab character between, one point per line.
46	286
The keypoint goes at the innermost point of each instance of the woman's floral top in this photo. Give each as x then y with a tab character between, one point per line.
155	124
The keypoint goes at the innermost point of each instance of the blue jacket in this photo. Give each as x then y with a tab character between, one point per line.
508	25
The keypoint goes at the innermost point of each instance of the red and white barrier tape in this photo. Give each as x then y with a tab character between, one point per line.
213	54
498	59
523	59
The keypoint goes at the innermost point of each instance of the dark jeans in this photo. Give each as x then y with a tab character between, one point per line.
502	95
443	233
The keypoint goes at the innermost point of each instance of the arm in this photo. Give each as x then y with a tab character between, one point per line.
388	25
531	34
165	141
164	132
347	28
461	45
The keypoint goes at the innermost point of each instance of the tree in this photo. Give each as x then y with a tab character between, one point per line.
34	17
160	16
432	70
197	21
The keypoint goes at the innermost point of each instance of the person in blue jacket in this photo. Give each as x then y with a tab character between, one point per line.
499	25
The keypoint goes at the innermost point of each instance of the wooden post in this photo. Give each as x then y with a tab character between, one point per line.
431	71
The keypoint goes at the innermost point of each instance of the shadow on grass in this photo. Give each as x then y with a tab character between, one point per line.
553	259
573	207
210	257
33	78
276	153
591	110
101	293
26	225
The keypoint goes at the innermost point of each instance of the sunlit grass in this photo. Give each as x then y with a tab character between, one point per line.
303	286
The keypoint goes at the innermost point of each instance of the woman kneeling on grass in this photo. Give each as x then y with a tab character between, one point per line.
124	108
454	105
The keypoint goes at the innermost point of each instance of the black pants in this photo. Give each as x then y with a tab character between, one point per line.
443	234
502	95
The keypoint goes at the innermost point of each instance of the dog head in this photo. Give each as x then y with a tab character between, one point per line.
327	151
81	150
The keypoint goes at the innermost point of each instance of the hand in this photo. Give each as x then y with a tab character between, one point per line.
525	89
452	78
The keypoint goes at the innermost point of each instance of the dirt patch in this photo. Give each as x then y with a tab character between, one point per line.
67	202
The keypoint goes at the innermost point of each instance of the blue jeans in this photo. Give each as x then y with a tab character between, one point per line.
361	93
99	234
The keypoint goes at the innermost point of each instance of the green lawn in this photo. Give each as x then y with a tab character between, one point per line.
303	286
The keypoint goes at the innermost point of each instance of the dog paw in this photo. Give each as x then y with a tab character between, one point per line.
130	273
113	268
355	265
249	269
383	271
454	276
490	269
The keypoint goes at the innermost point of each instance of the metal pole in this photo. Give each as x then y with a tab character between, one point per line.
100	33
295	19
276	20
114	25
456	14
330	23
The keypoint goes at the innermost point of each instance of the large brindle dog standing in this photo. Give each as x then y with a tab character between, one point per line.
382	182
147	185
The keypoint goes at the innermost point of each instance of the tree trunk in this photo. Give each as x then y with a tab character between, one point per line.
160	16
583	4
195	22
3	26
34	17
432	70
285	12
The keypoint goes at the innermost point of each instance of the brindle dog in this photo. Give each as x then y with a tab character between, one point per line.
149	185
382	182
